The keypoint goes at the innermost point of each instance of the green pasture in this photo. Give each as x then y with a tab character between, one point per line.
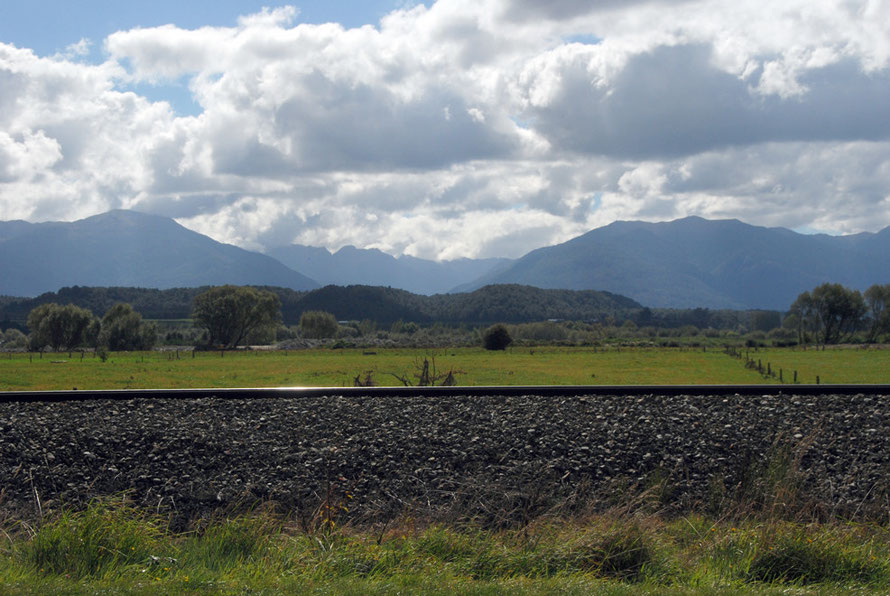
471	366
832	365
106	550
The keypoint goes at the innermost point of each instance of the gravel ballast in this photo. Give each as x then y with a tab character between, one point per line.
495	458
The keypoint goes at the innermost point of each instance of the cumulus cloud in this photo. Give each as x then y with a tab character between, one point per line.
466	127
675	101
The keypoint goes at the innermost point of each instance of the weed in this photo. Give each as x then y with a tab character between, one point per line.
221	544
623	553
88	543
798	558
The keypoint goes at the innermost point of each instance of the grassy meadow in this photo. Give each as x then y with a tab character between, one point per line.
471	366
110	548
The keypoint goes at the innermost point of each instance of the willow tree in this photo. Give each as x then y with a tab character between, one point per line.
831	311
60	327
231	313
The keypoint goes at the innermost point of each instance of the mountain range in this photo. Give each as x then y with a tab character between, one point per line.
127	248
694	262
351	265
687	263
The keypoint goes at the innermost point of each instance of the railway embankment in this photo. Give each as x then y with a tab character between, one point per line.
494	458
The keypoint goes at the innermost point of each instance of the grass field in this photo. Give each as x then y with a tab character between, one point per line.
116	549
472	366
110	548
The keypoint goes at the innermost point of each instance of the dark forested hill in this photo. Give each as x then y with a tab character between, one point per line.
695	262
351	265
126	248
491	304
508	304
514	303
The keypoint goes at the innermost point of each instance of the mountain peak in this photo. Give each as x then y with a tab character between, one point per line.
129	248
694	262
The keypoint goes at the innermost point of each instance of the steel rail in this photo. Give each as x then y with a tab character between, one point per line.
480	391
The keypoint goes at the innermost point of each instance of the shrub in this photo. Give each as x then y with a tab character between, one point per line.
318	324
623	553
12	340
802	560
496	337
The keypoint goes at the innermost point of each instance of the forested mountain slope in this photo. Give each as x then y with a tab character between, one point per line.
695	262
126	248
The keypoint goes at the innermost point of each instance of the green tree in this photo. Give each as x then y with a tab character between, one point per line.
59	326
318	324
765	320
229	313
831	312
496	337
801	314
122	328
12	340
877	298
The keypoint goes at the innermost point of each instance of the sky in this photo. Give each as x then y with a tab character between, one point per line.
448	129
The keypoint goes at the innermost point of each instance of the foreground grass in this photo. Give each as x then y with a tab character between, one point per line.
472	366
114	548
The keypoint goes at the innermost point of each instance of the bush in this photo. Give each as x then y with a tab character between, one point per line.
496	337
13	340
318	324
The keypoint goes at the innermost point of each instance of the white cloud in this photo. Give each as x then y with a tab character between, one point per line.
23	159
465	128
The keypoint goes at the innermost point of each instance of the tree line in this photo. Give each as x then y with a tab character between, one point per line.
386	307
383	305
229	316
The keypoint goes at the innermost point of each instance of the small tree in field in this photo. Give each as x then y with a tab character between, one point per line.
496	337
123	329
230	313
318	324
831	311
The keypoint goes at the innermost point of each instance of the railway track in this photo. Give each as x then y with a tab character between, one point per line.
472	391
444	452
